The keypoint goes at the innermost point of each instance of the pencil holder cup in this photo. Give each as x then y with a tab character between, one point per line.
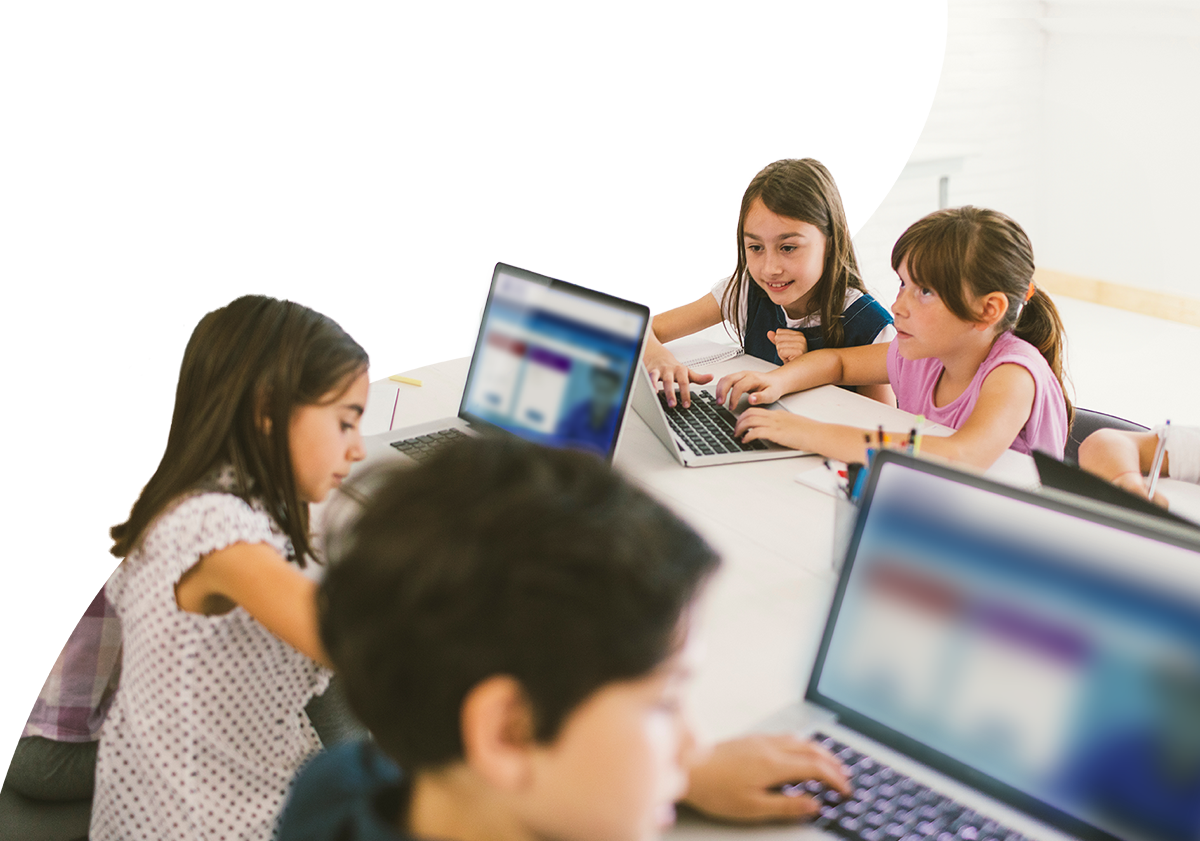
845	513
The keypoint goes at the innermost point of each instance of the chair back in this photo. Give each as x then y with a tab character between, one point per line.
1086	422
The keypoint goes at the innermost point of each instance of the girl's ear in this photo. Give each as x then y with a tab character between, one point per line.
993	308
498	732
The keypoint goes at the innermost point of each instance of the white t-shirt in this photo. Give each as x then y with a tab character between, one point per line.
718	291
1183	451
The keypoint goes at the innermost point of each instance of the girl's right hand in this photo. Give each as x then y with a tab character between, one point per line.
761	388
789	344
666	369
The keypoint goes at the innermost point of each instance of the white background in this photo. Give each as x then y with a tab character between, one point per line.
373	161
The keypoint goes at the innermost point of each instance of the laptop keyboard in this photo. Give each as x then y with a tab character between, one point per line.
423	446
889	806
707	426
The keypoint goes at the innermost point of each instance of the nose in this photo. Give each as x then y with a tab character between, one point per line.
690	751
356	451
772	265
898	304
689	754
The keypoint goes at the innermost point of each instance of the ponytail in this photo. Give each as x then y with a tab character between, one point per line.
1038	323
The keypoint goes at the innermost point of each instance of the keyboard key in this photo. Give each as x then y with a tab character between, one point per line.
888	806
421	447
707	426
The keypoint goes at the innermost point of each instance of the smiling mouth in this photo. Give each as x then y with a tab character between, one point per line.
781	285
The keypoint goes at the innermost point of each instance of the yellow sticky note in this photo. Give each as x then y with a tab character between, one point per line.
408	380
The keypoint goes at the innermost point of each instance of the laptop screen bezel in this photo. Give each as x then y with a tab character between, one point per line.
1095	511
1067	478
641	311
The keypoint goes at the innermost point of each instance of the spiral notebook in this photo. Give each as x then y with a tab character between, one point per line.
696	353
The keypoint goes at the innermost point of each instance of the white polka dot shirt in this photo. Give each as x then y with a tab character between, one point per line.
208	726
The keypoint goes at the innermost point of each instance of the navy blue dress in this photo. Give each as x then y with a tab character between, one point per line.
861	323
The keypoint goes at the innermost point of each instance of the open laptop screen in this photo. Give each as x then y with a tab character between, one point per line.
553	362
1047	655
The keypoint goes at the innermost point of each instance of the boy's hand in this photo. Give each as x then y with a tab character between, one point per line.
740	779
666	369
760	387
788	343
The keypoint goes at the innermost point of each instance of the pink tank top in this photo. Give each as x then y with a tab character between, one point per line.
914	381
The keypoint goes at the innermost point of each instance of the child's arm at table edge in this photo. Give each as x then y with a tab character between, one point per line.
862	365
740	778
259	579
1002	409
1121	457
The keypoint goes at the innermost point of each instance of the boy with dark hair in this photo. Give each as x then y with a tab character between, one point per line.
512	625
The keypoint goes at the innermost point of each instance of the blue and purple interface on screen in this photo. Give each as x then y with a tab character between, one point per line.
1058	655
554	366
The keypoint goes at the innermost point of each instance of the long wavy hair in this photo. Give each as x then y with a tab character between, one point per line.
803	189
970	250
247	367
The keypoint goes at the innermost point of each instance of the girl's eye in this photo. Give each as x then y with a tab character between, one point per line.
925	293
346	427
754	248
787	249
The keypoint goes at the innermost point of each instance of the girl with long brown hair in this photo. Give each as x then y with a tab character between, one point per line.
796	286
979	348
221	650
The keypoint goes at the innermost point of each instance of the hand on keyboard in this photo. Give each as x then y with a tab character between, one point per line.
706	426
889	806
741	779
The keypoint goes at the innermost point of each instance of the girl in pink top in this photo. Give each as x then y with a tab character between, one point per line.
978	348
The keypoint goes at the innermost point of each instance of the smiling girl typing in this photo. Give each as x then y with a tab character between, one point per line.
978	348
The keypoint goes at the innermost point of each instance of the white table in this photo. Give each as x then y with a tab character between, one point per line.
762	616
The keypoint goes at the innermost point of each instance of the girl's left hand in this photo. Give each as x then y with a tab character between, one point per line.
789	344
784	428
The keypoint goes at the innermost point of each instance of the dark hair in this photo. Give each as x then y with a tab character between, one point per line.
802	189
970	250
246	368
499	557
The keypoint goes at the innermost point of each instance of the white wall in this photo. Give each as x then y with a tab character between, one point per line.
1121	176
1079	119
985	123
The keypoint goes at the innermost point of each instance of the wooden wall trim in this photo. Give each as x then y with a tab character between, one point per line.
1128	298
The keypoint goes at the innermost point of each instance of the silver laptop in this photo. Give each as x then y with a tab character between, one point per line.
999	664
553	364
701	434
